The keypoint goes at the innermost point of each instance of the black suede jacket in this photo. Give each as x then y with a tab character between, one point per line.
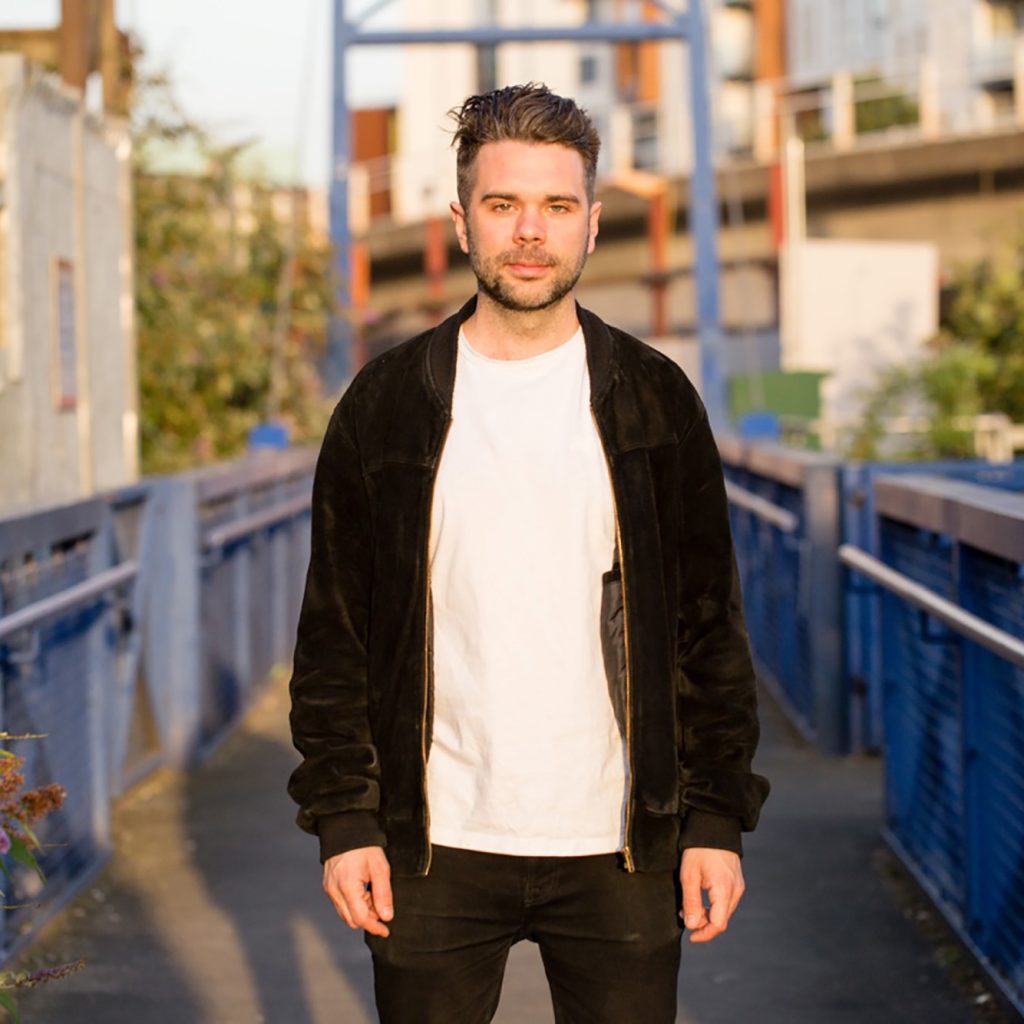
675	643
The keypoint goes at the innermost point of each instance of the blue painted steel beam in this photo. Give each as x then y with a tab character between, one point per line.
375	8
704	225
689	25
492	35
338	363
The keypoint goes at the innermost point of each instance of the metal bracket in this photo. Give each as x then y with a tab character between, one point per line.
24	655
944	635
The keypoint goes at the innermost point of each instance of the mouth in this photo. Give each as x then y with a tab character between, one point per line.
525	269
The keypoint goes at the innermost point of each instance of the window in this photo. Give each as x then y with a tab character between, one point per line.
588	69
645	139
65	376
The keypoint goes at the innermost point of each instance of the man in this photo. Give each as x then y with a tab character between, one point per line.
523	689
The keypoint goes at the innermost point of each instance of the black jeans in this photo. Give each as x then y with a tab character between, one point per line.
609	940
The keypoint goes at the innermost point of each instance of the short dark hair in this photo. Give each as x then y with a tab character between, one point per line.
523	113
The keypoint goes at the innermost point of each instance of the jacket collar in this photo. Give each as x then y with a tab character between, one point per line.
443	347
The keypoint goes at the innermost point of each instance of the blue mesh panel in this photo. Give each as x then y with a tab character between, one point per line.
924	765
774	594
993	589
220	621
260	605
863	668
49	694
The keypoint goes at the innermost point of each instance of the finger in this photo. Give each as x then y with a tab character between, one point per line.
737	895
721	907
374	925
718	916
353	891
693	909
334	893
361	904
380	888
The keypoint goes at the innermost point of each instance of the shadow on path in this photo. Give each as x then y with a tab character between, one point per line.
212	910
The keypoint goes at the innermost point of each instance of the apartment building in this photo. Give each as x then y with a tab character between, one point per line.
637	94
971	48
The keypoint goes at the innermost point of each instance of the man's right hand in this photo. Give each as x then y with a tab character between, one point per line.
359	885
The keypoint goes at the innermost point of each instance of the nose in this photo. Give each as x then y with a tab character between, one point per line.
529	226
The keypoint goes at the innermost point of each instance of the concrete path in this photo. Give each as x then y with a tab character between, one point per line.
211	911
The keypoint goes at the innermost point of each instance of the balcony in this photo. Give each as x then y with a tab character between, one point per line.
733	42
735	63
993	61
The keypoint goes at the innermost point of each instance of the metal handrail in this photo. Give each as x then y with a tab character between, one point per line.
220	536
762	508
974	628
75	595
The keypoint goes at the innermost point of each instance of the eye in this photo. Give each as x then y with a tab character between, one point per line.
558	208
501	207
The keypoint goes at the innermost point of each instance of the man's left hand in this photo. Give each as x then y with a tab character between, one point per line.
719	872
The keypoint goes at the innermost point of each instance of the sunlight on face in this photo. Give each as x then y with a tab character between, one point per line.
529	228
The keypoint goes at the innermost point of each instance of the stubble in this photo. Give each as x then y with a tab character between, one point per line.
521	297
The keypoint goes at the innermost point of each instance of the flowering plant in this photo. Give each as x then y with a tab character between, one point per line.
19	810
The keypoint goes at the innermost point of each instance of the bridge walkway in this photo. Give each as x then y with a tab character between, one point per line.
211	911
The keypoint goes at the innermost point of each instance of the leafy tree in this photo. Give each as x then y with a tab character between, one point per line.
232	305
976	365
986	309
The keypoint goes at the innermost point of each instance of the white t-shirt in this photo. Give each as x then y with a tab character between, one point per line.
526	757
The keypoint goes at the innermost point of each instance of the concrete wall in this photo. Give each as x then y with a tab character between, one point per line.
965	228
66	216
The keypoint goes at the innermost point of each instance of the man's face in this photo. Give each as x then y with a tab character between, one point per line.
528	228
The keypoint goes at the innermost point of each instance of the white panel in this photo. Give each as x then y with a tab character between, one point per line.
858	306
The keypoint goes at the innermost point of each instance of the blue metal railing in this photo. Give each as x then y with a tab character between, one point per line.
788	574
950	588
862	668
783	512
134	629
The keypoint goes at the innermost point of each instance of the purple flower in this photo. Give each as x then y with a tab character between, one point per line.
5	841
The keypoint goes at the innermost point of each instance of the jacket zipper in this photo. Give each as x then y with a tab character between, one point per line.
426	651
627	854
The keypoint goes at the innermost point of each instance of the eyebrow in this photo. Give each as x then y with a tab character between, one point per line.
512	197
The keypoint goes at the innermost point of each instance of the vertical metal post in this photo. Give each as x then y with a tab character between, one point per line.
338	362
172	651
821	574
704	222
657	232
98	670
359	293
239	563
435	263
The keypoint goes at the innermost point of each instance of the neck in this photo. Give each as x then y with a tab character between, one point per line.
502	333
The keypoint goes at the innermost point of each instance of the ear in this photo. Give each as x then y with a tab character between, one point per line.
595	216
459	220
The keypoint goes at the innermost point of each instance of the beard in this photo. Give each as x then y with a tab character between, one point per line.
524	297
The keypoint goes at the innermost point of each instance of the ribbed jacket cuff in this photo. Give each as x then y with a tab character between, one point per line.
717	831
349	831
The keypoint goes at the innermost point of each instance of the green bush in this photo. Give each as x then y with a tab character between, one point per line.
974	364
